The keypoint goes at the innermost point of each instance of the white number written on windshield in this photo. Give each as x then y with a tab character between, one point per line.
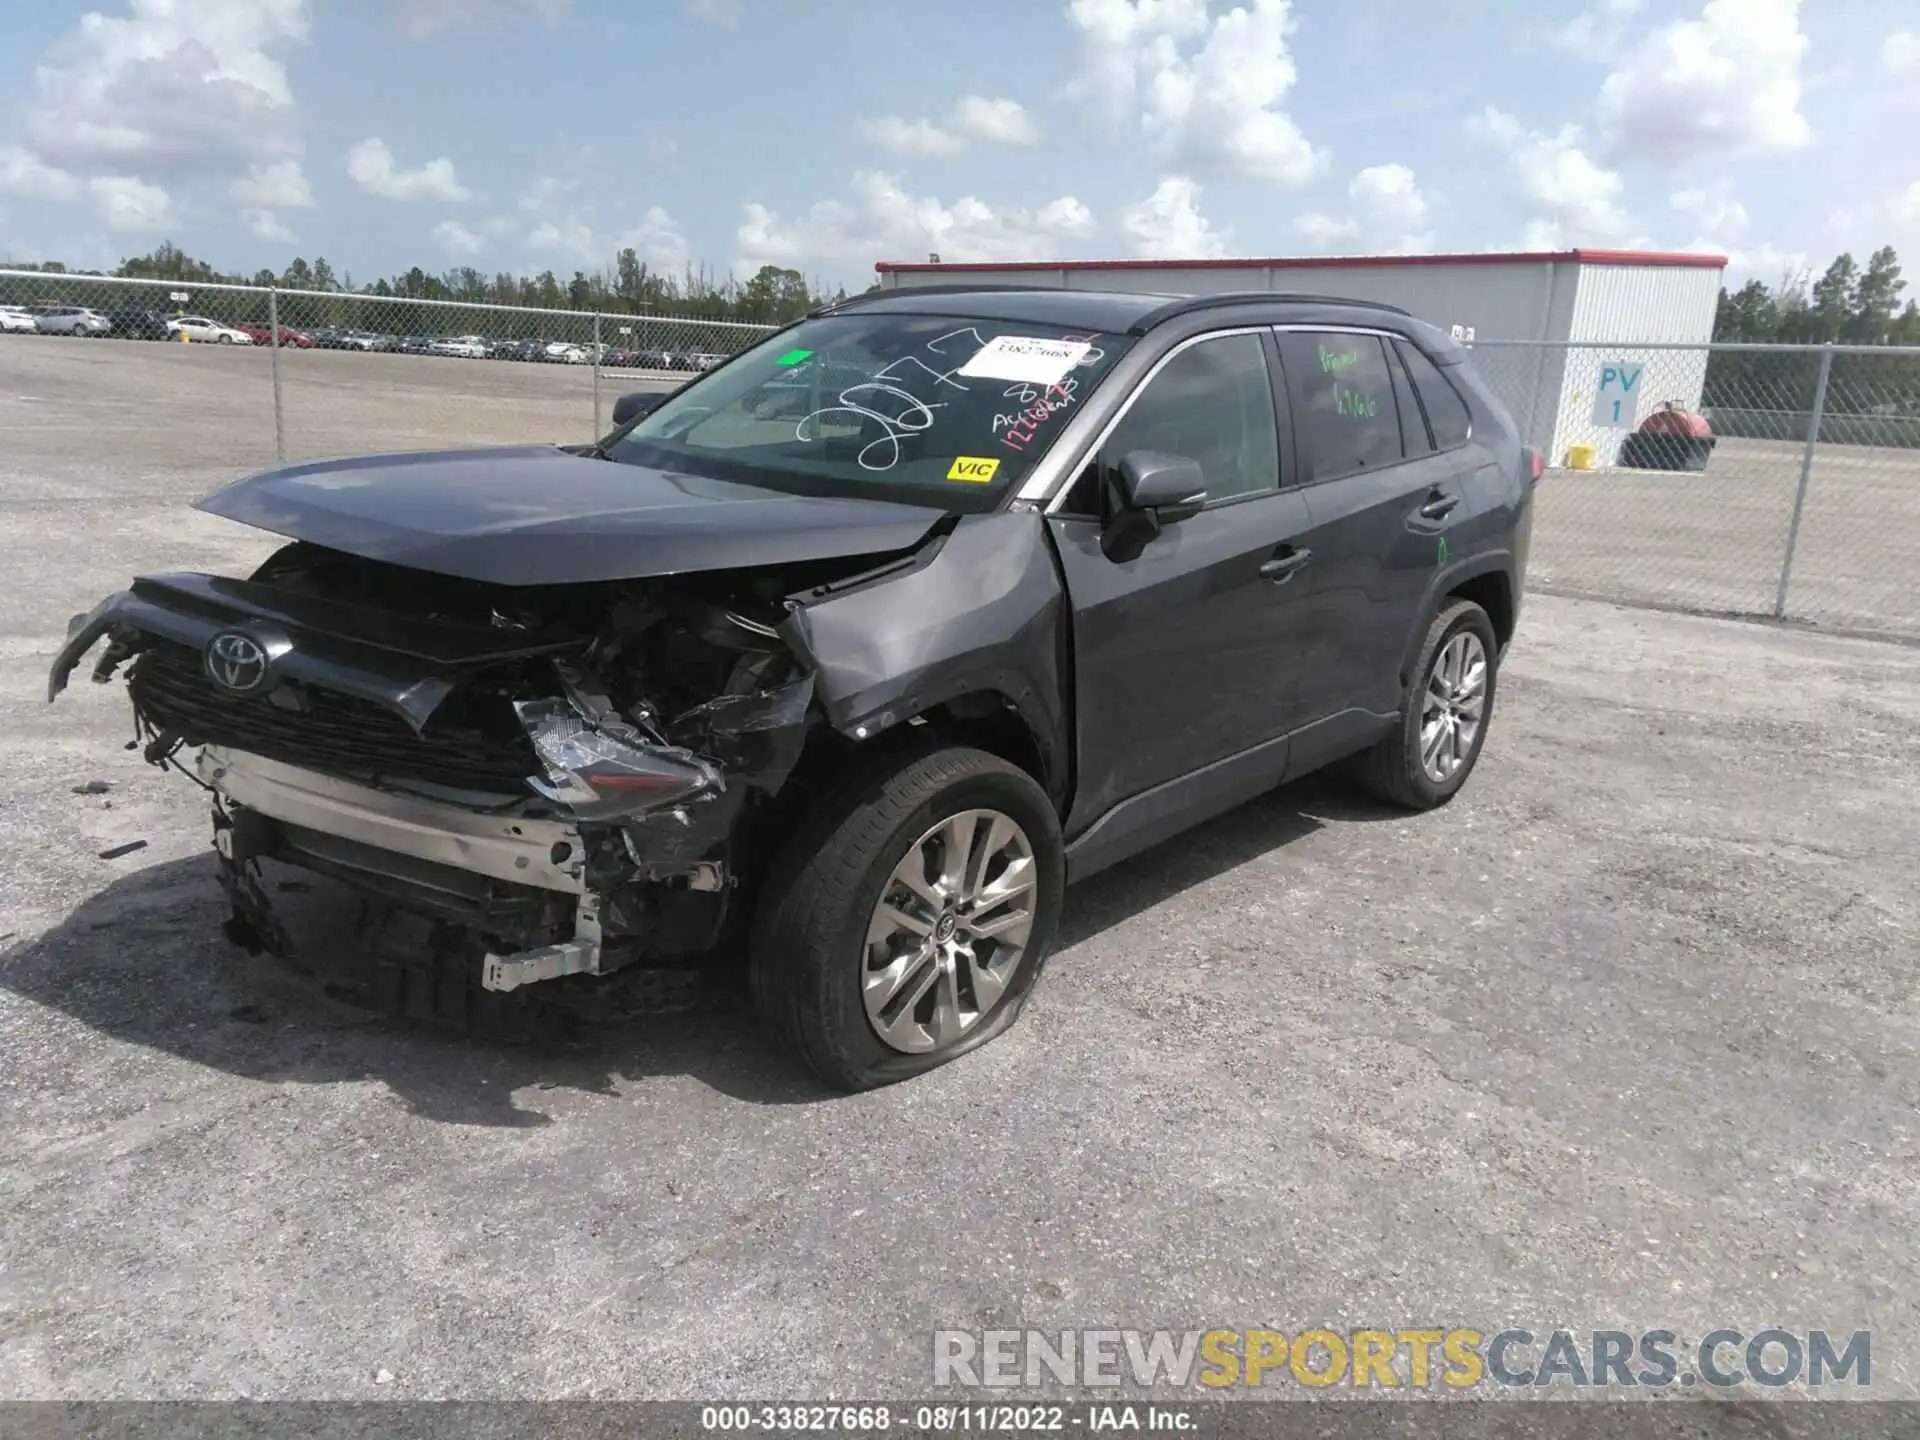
888	400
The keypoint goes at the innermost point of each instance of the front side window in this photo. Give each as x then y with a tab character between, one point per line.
1344	413
1212	403
933	410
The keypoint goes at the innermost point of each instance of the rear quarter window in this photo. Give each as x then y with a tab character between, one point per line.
1447	414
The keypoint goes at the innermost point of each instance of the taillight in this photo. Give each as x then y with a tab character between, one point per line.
1536	463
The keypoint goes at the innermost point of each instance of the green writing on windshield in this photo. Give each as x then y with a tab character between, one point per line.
793	357
1333	360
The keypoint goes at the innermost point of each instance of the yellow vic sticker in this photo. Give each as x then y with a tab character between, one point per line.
973	468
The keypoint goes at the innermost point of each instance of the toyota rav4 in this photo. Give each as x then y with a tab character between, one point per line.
852	652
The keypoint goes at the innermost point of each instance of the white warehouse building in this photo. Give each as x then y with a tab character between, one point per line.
1549	329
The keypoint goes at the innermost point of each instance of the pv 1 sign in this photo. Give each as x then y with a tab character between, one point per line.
1618	398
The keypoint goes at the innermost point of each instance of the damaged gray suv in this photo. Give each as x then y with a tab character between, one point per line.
850	653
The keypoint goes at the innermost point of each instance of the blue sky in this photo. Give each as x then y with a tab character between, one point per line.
827	134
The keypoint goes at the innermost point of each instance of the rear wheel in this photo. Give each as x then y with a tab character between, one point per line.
906	926
1443	725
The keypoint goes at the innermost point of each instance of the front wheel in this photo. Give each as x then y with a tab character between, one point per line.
906	926
1443	725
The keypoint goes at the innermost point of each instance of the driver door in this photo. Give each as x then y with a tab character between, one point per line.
1189	654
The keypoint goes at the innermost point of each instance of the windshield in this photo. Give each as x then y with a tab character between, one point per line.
926	409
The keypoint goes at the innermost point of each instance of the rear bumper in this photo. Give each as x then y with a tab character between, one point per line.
544	853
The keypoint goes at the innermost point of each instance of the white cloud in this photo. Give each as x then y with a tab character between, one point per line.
1392	208
1724	86
1168	225
177	89
1715	210
24	174
424	19
916	139
883	221
996	121
456	239
373	168
1900	52
130	204
726	14
267	226
1602	31
571	240
657	239
1905	209
1568	197
1388	214
1210	110
280	185
1322	231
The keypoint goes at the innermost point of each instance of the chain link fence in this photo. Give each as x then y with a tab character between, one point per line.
1804	506
1801	502
268	374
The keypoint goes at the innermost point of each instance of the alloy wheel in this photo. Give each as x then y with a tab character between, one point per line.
949	931
1455	705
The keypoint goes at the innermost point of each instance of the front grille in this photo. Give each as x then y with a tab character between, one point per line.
338	734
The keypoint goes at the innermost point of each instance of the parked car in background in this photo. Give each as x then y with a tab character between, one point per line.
706	359
15	319
138	324
561	352
263	335
200	329
70	320
462	347
516	350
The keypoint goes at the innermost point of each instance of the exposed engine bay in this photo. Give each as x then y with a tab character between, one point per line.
564	775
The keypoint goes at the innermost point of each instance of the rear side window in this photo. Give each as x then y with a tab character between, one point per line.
1447	414
1344	413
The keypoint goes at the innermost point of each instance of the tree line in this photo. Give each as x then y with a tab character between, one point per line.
773	295
1846	305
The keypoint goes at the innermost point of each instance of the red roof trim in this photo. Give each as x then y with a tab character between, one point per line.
1669	259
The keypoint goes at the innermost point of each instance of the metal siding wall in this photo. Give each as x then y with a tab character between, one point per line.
1616	305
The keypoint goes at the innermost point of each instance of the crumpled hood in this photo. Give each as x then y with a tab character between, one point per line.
540	515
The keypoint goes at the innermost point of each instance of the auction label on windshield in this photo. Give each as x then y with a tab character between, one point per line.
977	468
1027	359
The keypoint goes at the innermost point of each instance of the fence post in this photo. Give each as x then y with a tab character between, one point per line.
273	339
1806	473
596	375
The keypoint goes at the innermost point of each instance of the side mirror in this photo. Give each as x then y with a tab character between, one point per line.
632	407
1147	491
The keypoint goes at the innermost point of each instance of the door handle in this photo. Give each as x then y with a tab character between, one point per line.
1439	505
1285	563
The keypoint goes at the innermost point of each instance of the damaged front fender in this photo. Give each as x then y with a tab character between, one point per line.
983	615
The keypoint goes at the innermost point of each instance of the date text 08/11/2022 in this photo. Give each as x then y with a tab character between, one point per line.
950	1419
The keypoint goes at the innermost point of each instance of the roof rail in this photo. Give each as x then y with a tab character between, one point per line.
868	296
1191	303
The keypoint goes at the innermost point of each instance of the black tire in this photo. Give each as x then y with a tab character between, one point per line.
226	339
805	953
1392	769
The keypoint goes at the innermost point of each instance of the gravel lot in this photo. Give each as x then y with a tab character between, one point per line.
1626	1037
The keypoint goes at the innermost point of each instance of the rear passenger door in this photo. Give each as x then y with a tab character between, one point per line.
1380	502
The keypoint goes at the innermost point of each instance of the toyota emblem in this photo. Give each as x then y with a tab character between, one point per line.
237	662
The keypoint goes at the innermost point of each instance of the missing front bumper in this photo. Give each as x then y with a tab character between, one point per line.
546	854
